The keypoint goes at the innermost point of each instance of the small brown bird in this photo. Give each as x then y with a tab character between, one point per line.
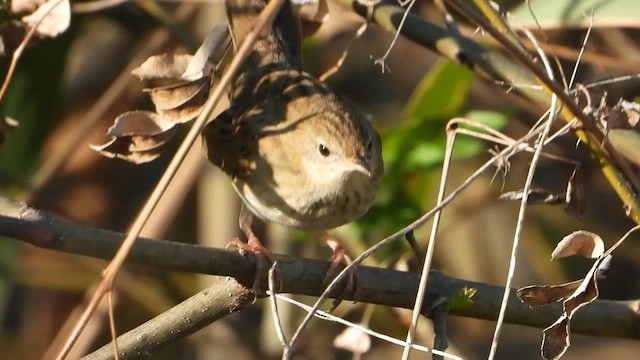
297	153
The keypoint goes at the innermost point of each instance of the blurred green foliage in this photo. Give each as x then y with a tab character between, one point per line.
414	148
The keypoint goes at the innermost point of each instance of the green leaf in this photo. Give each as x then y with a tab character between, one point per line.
440	94
462	298
492	119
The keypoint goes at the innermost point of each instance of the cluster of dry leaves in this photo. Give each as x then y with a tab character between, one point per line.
574	294
138	136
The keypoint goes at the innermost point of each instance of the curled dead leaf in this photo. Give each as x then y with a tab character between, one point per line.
555	339
182	102
163	67
212	49
137	137
582	243
537	295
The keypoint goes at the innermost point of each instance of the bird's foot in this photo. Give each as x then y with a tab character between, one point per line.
337	260
262	256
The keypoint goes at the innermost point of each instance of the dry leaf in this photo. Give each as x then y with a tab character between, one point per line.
582	243
163	67
555	339
620	129
537	295
631	110
536	197
180	103
210	51
575	199
137	137
354	340
586	293
57	17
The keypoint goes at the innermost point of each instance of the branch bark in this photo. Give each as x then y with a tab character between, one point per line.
306	276
223	297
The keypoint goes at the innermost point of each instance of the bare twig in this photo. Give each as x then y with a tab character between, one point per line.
382	60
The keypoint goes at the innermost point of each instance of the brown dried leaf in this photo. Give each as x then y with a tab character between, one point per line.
536	197
173	96
190	109
575	199
555	339
582	243
212	48
621	131
6	125
57	17
137	137
537	295
163	67
628	114
586	293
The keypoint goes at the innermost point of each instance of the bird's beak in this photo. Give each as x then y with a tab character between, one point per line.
359	164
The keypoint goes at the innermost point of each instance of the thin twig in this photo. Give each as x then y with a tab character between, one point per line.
382	60
274	307
112	325
546	41
523	208
426	266
334	69
327	316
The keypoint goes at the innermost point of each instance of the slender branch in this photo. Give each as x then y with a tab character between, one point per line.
306	276
223	297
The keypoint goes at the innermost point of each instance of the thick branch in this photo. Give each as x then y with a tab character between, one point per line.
305	276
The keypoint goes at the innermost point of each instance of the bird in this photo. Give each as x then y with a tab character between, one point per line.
297	153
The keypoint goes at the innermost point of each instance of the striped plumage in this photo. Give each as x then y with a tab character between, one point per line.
297	154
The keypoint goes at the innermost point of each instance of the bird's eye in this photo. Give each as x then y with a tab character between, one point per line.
324	151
